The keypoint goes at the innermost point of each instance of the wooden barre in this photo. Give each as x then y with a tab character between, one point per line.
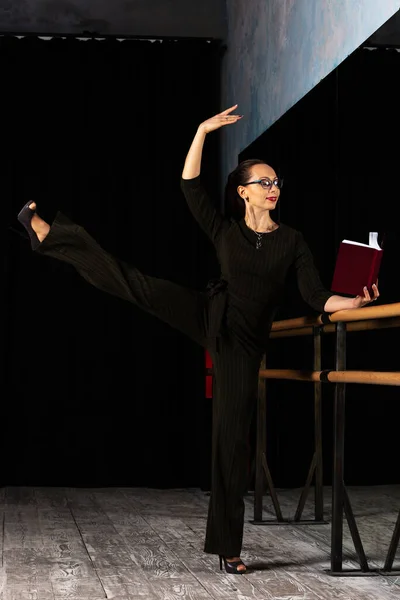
358	314
369	377
327	376
369	325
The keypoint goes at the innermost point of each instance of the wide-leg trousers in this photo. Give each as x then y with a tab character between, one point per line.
236	374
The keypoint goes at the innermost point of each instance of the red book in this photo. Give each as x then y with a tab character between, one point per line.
357	265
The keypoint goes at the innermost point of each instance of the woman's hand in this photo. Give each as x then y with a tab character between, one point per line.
192	164
335	303
223	118
360	301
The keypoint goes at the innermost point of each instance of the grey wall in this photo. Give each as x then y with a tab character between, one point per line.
278	50
181	18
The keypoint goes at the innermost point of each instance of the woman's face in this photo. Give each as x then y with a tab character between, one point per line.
262	188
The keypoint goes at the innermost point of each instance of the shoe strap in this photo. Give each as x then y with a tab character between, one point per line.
235	563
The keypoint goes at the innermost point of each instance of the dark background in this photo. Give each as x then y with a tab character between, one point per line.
98	393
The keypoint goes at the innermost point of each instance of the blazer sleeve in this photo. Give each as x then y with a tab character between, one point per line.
308	280
201	207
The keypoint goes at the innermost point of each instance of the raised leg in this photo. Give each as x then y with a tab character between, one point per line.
182	308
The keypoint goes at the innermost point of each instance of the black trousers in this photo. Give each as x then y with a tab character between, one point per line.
236	374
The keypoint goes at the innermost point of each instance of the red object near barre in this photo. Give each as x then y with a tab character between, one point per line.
209	378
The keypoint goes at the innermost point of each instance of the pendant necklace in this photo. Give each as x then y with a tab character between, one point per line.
260	235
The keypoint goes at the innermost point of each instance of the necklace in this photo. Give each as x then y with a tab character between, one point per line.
260	235
259	238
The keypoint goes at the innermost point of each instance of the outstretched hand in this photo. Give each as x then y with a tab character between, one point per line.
360	301
219	120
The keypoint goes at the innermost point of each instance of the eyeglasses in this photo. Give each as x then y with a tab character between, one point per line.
266	183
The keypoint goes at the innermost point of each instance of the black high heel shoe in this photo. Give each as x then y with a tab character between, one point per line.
25	217
231	567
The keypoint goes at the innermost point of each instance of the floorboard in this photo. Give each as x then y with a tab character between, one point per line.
139	543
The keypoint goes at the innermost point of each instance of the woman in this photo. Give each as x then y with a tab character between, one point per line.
232	319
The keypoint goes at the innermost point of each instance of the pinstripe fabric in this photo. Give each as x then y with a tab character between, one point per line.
256	278
235	396
182	308
198	317
232	324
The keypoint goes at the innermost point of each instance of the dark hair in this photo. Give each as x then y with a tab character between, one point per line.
234	204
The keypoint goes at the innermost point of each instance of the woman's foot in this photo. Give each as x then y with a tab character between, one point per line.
35	226
233	565
40	227
237	559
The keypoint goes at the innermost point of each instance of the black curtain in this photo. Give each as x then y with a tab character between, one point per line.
338	152
97	392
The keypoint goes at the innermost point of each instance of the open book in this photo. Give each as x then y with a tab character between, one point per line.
357	265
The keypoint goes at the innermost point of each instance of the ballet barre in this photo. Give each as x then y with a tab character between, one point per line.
342	322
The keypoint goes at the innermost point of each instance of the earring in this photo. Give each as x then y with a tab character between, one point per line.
246	199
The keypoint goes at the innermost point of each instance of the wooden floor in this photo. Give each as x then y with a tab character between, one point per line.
126	543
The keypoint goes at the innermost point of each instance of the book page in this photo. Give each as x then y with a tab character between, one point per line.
373	241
